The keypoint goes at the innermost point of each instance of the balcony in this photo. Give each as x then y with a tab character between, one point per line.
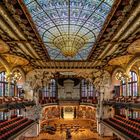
14	102
130	102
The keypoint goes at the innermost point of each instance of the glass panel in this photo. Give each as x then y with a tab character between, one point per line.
87	89
12	90
1	116
124	90
6	89
1	89
50	90
79	20
130	90
133	84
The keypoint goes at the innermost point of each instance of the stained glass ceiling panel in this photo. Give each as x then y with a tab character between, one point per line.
69	28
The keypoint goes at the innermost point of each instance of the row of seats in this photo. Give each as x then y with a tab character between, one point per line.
13	116
2	124
13	126
9	99
136	120
129	121
128	127
128	99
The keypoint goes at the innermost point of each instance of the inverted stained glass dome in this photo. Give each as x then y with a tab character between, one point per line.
69	28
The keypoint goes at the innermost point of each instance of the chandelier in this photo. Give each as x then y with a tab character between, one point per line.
13	76
69	45
122	76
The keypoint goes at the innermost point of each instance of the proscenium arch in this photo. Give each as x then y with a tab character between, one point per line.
6	65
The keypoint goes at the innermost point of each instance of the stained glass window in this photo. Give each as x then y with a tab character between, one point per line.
84	88
87	89
50	90
123	88
69	27
2	83
1	115
132	85
4	86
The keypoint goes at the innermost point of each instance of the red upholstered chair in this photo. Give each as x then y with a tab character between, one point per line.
128	127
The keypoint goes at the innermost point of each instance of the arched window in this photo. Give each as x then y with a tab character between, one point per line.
4	86
123	88
84	88
132	89
132	84
53	87
50	90
87	89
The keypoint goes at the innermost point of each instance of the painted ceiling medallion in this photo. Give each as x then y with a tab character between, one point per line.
3	47
134	47
15	60
69	28
122	60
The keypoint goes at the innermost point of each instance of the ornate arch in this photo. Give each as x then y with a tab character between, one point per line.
5	64
131	63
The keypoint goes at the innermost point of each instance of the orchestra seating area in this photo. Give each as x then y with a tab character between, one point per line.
129	127
11	127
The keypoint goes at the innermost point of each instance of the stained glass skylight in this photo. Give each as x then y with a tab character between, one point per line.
69	28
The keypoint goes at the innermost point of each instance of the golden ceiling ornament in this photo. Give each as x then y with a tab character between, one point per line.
134	47
69	45
121	60
14	60
3	47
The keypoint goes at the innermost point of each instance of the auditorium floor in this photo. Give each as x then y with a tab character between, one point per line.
84	134
80	130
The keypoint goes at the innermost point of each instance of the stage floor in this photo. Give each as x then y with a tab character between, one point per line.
80	130
81	135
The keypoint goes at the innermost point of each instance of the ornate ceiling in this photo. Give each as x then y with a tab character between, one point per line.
120	61
69	27
14	60
134	48
118	29
3	47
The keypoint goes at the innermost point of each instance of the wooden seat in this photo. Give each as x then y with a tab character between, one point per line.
128	127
